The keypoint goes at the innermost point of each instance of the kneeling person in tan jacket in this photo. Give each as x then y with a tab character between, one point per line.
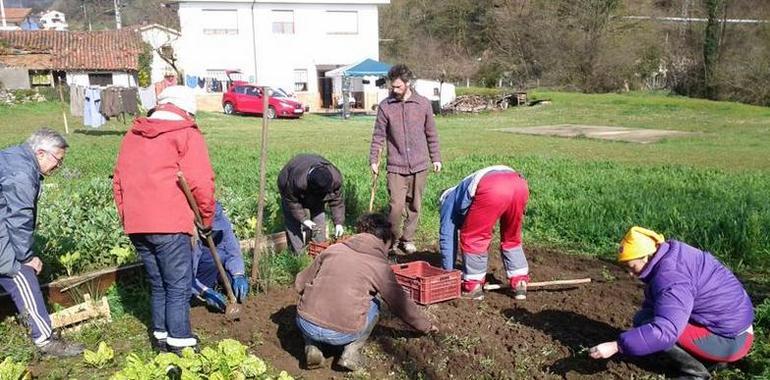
340	294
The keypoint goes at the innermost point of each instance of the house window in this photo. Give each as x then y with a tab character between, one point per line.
283	22
100	79
300	80
40	78
219	21
341	22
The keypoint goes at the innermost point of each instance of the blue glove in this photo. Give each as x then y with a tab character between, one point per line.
240	287
214	299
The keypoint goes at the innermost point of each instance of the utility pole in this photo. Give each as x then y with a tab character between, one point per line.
117	13
2	13
85	16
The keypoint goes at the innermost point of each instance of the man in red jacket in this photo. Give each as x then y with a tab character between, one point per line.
154	210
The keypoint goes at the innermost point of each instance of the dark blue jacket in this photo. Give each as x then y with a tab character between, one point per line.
20	184
228	248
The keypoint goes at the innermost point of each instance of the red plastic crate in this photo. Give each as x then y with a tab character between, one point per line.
315	248
426	284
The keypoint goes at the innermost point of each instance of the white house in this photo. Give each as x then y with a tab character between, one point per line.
163	40
281	43
53	20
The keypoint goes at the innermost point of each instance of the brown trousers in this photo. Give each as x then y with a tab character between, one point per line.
405	192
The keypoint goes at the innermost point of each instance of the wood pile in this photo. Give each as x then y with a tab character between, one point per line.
477	103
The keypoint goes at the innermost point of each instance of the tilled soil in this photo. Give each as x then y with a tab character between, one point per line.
545	336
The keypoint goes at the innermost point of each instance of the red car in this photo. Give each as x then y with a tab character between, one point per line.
247	99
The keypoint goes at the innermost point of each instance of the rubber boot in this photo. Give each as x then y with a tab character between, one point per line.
314	358
61	349
351	358
689	367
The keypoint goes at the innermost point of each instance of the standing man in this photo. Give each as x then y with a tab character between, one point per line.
154	210
472	208
309	181
405	119
22	169
206	276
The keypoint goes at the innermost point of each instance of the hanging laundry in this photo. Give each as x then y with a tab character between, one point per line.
191	81
110	102
128	97
77	98
202	82
147	97
91	115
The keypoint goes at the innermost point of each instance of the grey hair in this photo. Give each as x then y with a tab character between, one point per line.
47	139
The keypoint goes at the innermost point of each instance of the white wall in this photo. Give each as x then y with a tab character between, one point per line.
80	78
278	55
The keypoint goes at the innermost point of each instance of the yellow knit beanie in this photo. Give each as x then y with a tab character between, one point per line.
639	242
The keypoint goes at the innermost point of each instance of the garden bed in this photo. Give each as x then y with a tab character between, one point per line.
546	336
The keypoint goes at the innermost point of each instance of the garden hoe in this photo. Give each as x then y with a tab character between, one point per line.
541	284
233	310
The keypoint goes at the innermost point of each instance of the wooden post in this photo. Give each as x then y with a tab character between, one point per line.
375	178
257	249
64	110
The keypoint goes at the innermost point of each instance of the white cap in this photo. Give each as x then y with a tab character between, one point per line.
179	96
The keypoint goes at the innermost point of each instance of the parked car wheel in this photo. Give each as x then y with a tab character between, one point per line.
229	109
271	112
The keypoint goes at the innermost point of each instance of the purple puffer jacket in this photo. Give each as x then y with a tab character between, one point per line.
685	284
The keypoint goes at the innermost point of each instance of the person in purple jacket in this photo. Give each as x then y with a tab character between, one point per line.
695	310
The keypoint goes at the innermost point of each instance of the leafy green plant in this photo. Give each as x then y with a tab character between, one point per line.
137	369
70	261
10	370
230	360
607	275
103	355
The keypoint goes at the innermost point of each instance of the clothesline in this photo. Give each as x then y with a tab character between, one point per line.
96	104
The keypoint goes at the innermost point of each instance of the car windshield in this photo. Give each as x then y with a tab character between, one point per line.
278	93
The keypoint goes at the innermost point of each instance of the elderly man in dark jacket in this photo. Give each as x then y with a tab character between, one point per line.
22	168
309	181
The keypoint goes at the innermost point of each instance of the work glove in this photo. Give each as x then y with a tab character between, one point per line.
338	231
240	287
309	224
214	299
437	166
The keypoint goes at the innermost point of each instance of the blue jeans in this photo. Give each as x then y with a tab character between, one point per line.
168	261
317	334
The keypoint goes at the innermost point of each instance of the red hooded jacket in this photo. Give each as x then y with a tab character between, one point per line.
145	187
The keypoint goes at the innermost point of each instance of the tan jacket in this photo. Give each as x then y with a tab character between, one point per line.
337	289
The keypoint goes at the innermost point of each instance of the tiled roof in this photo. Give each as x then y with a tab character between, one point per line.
16	15
100	50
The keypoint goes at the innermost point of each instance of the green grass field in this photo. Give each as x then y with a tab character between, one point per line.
711	190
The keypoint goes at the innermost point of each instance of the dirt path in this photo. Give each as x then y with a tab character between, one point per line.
545	336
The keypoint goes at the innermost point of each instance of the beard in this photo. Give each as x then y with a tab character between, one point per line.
397	96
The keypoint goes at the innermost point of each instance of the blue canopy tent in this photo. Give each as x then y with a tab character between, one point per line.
365	68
